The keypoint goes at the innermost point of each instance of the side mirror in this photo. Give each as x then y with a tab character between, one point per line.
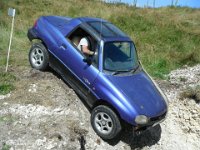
88	60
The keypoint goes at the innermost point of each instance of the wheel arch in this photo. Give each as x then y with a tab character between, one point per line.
121	115
106	103
34	37
39	40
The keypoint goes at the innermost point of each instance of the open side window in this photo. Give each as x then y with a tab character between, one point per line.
75	38
79	33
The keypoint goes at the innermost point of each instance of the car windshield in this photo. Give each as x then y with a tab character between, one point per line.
119	56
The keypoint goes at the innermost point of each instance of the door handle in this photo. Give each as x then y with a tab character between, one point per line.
63	47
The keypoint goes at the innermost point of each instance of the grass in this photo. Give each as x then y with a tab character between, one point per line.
6	146
6	83
166	38
6	118
6	88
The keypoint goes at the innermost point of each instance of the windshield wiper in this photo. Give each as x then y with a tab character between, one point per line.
135	69
124	71
120	71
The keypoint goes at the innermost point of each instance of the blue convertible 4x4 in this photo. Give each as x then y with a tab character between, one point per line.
112	81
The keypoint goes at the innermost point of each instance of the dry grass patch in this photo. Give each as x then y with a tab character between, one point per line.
192	93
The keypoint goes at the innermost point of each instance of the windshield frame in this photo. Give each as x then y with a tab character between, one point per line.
135	66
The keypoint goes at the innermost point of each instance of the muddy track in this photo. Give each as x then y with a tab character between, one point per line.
45	113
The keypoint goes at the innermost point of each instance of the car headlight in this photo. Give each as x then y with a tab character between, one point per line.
141	119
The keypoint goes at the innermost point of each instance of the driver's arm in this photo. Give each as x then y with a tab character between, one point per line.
86	50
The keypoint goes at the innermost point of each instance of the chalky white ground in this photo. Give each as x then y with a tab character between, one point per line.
44	113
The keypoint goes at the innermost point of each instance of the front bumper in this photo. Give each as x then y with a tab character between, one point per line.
152	122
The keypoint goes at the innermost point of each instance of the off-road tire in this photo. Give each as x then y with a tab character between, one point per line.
103	117
39	57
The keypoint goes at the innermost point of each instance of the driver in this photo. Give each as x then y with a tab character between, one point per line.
84	46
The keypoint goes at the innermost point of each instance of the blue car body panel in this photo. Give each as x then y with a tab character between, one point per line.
130	94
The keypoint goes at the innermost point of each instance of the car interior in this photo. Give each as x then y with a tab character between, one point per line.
76	36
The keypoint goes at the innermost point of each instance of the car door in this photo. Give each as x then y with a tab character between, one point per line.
81	73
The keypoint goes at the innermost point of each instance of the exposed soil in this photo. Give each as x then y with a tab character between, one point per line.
43	113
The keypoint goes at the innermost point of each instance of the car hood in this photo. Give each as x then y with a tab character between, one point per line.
142	94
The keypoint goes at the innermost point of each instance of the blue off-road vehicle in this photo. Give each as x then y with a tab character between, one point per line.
111	81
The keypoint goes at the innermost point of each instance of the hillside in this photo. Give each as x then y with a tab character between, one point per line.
39	115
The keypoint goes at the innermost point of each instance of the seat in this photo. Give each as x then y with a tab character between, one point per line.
75	40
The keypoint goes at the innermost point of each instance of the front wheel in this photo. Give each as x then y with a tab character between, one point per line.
105	122
39	56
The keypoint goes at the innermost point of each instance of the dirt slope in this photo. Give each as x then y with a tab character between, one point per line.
44	113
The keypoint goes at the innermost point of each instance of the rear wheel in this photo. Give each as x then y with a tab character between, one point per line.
105	122
39	56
